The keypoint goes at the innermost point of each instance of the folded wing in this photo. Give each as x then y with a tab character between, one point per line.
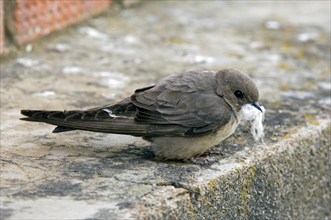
181	105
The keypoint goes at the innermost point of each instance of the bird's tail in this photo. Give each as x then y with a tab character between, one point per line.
97	120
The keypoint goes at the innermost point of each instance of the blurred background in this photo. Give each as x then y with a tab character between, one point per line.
135	38
103	49
78	54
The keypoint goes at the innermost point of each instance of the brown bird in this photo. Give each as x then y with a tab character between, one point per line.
182	116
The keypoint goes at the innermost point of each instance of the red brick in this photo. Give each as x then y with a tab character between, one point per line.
2	34
34	18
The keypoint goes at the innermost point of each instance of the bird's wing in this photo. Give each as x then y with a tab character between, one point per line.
180	105
118	118
188	100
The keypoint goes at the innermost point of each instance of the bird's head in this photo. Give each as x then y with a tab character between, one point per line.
237	89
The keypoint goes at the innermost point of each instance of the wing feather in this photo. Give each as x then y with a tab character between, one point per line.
188	100
180	105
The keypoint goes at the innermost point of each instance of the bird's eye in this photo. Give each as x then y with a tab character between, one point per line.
238	94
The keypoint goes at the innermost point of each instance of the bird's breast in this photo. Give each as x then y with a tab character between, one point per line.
188	147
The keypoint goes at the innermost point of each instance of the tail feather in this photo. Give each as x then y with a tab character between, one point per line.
59	129
35	115
73	120
42	116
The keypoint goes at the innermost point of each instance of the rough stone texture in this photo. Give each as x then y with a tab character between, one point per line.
284	46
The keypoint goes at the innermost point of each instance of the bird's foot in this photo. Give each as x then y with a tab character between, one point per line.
216	152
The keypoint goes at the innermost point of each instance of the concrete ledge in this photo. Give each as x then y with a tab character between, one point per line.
288	179
82	175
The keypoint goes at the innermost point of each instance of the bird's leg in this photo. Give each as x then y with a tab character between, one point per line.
213	151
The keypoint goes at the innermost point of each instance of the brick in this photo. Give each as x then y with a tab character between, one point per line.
31	19
2	34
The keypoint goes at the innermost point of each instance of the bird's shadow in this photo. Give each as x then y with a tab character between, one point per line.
135	153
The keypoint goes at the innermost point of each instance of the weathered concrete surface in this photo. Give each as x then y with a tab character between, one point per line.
82	175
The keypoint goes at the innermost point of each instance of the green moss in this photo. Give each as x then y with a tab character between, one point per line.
212	185
246	190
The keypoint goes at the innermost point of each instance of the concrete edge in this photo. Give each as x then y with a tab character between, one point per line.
244	190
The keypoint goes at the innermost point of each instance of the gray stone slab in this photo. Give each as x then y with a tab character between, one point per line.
284	46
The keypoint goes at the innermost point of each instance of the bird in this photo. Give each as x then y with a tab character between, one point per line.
182	116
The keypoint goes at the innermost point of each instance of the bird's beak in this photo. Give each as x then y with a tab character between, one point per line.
256	105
